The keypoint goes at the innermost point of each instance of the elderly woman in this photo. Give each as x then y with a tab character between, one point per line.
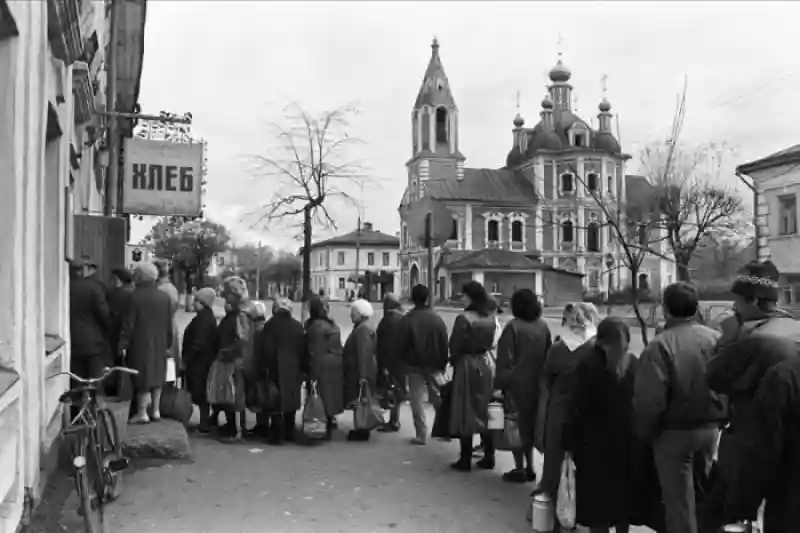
226	379
360	363
559	387
324	364
470	342
521	352
165	285
145	337
199	351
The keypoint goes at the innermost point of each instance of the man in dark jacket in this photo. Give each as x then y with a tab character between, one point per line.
424	353
119	298
391	379
90	324
674	408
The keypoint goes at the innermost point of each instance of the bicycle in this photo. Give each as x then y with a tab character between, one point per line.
96	450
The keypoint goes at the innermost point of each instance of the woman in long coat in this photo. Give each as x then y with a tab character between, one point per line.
281	353
145	336
470	342
521	352
199	351
324	364
360	363
600	431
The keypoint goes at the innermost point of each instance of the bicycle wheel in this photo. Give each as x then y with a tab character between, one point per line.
110	453
88	484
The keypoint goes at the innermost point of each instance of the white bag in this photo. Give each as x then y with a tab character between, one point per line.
565	505
172	372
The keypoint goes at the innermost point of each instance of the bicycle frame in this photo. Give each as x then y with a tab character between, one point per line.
85	422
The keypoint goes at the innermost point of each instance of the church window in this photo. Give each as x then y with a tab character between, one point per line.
578	140
441	125
426	130
567	231
593	237
566	182
454	230
594	279
592	182
516	231
493	231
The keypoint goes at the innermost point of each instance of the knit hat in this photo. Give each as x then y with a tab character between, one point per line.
206	296
759	281
363	307
236	286
145	272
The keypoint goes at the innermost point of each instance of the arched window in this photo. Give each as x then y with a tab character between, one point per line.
592	182
566	182
426	130
454	230
567	231
593	237
493	231
441	125
516	231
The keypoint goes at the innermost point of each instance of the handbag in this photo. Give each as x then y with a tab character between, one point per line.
315	421
509	438
221	385
441	422
565	505
367	414
262	396
176	403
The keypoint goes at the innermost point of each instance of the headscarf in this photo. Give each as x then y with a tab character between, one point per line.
318	308
391	302
363	307
206	296
236	286
281	305
146	272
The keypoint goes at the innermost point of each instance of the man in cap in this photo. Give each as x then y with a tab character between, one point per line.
90	321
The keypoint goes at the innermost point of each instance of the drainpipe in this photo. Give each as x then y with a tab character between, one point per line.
751	185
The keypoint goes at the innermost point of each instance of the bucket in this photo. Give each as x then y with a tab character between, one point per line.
543	518
496	416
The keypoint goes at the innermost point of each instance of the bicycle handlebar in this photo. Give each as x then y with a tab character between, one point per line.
93	381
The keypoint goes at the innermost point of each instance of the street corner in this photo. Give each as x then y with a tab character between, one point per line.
165	439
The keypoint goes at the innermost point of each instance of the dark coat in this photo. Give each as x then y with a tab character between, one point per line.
119	298
90	319
772	468
390	342
236	335
521	352
281	350
470	341
324	345
359	360
147	335
424	346
601	441
199	351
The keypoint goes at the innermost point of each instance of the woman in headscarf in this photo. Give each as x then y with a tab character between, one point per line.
145	336
558	388
199	351
470	342
165	285
324	364
282	349
391	379
360	364
236	333
521	352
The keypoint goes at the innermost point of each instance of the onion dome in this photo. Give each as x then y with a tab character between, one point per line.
560	73
604	106
606	142
546	140
519	121
547	103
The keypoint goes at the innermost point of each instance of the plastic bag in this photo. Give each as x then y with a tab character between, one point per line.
221	386
314	418
367	414
565	505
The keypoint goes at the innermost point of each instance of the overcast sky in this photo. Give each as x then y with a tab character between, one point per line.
235	64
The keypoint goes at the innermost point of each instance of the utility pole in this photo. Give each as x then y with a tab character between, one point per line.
112	187
358	238
258	272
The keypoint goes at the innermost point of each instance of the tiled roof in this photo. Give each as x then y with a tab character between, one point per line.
485	185
365	238
783	157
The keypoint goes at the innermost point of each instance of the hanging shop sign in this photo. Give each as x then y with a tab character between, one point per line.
162	178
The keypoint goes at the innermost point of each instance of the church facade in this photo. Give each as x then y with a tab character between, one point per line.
541	220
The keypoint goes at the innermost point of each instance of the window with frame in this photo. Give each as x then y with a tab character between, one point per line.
321	259
642	231
370	258
516	231
594	279
340	258
342	283
644	281
592	182
579	140
567	231
495	288
454	230
493	231
593	237
386	258
787	214
567	184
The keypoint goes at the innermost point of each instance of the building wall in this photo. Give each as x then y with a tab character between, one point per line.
327	273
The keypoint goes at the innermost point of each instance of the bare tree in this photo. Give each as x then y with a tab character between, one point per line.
694	199
311	165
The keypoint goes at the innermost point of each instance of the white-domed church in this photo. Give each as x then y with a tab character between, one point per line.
536	222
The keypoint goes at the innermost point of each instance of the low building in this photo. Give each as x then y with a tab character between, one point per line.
363	259
51	53
775	182
546	210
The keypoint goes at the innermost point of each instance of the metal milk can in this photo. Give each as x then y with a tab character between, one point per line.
496	416
543	516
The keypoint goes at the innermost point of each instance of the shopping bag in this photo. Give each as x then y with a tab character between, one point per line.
565	505
314	417
221	385
262	396
367	414
441	422
509	438
172	372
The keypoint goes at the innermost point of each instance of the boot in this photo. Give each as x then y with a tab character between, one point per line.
289	427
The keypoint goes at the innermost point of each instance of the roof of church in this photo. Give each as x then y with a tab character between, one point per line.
435	88
484	184
493	259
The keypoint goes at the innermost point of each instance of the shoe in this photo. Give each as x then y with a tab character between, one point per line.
487	463
418	441
530	476
517	475
156	416
462	466
390	428
139	419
